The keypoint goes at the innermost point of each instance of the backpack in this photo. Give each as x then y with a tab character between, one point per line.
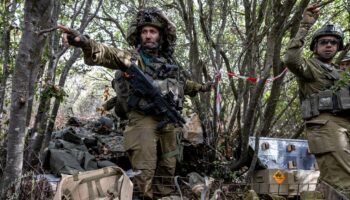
106	183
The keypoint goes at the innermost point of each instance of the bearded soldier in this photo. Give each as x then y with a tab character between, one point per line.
325	100
153	37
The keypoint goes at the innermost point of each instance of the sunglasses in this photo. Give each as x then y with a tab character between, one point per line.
328	41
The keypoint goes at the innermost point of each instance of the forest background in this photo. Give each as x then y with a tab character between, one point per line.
42	83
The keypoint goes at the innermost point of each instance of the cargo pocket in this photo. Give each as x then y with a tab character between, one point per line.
134	118
320	137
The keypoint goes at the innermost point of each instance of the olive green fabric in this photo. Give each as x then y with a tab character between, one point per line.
329	140
113	58
68	153
140	136
192	88
311	195
312	74
250	195
141	139
328	134
110	57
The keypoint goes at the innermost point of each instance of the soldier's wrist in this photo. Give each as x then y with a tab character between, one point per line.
305	25
84	41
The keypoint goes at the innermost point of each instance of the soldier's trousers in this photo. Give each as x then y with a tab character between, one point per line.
142	141
329	140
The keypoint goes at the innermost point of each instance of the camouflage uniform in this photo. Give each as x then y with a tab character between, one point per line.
345	63
142	139
328	132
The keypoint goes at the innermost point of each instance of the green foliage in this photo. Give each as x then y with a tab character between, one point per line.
219	171
342	82
2	136
51	91
232	39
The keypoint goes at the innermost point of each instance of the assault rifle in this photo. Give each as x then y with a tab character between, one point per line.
143	88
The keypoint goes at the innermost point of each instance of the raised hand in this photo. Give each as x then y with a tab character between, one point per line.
311	14
73	37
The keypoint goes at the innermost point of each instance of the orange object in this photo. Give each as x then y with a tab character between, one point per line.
279	177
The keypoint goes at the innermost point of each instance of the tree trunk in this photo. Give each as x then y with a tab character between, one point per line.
275	41
7	16
5	70
86	19
37	15
41	117
35	76
57	103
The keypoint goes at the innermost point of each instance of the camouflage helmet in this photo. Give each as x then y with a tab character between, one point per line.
154	17
327	30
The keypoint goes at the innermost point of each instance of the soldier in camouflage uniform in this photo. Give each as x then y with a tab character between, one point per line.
345	63
153	36
324	102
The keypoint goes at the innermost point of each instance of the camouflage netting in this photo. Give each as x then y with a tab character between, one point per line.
155	17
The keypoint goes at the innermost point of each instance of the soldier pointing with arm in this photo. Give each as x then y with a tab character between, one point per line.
325	107
153	36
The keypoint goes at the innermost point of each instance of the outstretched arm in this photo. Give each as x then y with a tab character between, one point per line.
96	53
293	58
192	88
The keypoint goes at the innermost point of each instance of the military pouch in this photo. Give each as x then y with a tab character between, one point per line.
343	97
309	107
325	100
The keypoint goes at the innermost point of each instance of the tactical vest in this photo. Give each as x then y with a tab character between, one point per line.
165	76
327	100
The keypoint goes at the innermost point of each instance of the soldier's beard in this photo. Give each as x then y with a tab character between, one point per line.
151	48
151	45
